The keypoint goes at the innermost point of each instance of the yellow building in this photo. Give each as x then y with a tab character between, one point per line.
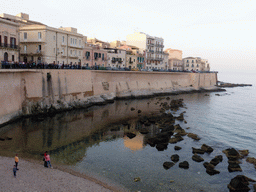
98	42
174	53
9	40
43	44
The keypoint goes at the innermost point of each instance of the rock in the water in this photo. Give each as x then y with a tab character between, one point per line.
161	146
239	183
193	136
251	160
130	135
197	158
216	160
184	165
175	158
199	151
231	153
244	152
180	117
139	111
232	167
168	165
177	148
144	131
132	109
207	148
210	169
136	179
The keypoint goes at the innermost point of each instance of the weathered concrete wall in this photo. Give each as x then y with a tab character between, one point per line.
26	92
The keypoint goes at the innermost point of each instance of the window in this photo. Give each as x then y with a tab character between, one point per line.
75	52
40	35
53	37
39	48
63	51
25	35
12	57
54	50
87	54
187	61
99	55
192	61
192	65
75	41
79	53
79	42
25	48
187	65
102	56
63	39
70	52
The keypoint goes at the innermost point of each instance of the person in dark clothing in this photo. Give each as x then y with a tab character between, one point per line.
14	170
45	162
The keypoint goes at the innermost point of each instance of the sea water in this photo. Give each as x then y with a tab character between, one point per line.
93	142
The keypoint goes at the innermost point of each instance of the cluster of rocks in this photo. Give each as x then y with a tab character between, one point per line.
170	133
222	84
240	184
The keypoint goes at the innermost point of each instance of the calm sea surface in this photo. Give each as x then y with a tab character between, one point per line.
92	141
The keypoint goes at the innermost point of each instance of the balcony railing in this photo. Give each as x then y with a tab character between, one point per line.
32	53
10	46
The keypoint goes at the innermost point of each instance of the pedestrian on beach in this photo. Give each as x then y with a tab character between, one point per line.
16	161
14	170
48	160
45	162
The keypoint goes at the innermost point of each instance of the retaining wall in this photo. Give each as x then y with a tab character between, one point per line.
27	92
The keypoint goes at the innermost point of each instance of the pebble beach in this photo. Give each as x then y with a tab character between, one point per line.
32	176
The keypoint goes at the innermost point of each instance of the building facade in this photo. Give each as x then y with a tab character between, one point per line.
94	56
116	57
153	47
9	50
134	59
43	44
175	64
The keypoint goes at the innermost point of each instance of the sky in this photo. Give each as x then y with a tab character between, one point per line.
222	31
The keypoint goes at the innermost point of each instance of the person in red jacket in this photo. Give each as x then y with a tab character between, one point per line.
48	160
45	162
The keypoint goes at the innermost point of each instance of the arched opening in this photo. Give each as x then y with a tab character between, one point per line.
25	59
5	56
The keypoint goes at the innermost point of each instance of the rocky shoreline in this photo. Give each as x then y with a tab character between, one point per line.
39	108
223	84
171	133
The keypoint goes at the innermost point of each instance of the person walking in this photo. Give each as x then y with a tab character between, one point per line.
16	161
45	162
48	160
14	170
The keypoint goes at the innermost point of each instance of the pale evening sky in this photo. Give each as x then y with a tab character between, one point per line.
223	31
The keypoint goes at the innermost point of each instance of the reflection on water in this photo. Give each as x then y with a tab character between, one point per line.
95	141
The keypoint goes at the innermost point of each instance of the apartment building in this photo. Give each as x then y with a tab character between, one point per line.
175	59
134	59
116	57
98	42
43	44
153	47
93	56
9	50
165	61
205	66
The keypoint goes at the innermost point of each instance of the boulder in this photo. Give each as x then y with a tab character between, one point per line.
232	167
207	148
180	117
130	135
184	165
231	153
168	165
199	151
239	183
244	153
144	131
175	158
216	160
176	148
210	169
251	160
139	111
193	136
197	158
132	109
161	146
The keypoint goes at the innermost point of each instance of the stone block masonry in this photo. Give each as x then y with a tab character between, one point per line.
39	91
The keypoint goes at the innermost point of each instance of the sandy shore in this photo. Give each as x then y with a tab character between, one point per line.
32	176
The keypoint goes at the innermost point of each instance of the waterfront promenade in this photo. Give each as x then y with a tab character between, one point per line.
32	176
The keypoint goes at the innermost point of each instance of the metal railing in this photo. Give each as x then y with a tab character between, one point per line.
5	45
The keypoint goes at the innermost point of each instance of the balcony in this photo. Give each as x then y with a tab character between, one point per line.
32	41
73	56
76	46
151	51
31	53
130	62
8	46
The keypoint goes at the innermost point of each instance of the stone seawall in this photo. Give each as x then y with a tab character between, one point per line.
31	92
